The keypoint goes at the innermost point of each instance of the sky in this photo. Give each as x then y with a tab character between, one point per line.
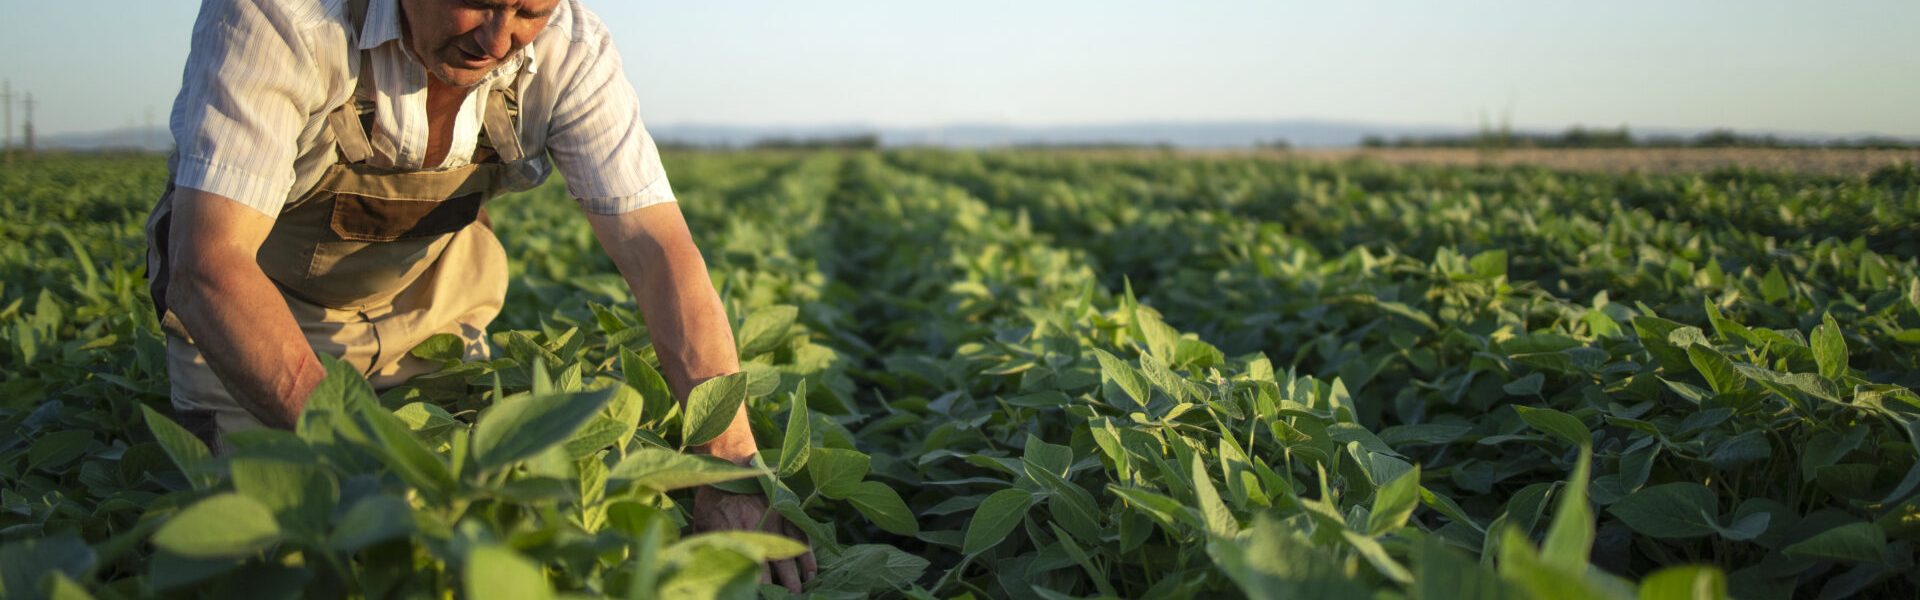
1836	67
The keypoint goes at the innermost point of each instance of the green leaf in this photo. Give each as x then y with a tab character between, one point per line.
301	496
1774	286
996	517
1525	386
1053	458
598	434
1668	511
442	348
1128	378
1746	528
765	329
1570	537
1376	555
1685	582
186	450
1827	448
752	544
663	470
1830	348
626	408
1070	504
1220	521
225	525
1556	424
518	428
1080	556
1489	264
1166	510
1853	542
1394	503
343	390
867	569
709	571
58	448
497	573
837	472
1190	353
884	507
1719	371
405	454
372	520
425	419
798	438
711	408
642	377
1654	333
1157	339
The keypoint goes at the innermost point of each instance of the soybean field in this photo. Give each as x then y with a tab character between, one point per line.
1039	375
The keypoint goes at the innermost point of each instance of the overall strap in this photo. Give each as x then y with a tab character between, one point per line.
503	108
348	132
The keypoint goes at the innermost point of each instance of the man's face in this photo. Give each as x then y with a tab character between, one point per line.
460	41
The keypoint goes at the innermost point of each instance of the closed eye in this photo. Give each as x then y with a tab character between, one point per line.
500	5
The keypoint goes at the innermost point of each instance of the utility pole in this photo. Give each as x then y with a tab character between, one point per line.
6	99
29	131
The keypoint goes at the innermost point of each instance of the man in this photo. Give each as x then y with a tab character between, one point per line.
326	195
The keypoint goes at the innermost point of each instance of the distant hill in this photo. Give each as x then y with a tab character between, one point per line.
1182	134
150	140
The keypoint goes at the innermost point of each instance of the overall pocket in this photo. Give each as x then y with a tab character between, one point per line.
368	219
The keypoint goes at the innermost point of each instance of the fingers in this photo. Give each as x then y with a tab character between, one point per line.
808	566
766	577
789	574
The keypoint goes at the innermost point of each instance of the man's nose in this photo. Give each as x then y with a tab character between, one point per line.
496	36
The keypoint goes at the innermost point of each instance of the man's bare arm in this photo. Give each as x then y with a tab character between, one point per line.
656	255
237	318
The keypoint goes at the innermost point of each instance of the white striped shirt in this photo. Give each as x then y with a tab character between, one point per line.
262	75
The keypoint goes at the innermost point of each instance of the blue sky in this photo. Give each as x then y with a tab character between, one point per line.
1834	67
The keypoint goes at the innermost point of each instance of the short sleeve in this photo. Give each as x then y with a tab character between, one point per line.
598	142
244	98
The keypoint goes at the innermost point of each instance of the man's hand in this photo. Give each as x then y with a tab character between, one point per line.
715	510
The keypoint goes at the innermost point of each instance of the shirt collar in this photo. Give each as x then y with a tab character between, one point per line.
383	25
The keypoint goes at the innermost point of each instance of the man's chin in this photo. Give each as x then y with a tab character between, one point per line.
460	78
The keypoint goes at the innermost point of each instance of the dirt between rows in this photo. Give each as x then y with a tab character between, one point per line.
1835	162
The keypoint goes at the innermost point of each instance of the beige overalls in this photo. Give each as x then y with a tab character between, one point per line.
371	261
